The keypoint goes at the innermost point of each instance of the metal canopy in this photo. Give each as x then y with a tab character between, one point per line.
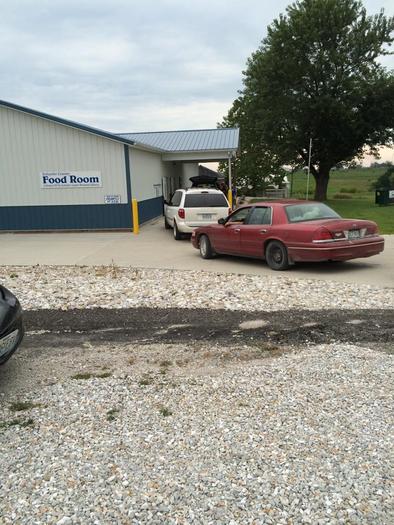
189	145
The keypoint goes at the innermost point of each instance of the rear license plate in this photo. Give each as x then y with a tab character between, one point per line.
206	216
353	234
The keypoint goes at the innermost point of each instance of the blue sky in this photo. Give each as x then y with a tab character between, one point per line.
127	65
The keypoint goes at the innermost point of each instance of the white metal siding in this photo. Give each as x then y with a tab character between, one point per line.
188	170
30	145
147	170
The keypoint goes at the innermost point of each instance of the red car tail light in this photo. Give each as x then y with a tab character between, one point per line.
322	235
372	229
181	213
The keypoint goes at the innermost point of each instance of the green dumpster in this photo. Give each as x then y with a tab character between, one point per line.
384	197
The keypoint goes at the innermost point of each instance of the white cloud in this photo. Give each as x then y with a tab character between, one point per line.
197	114
129	65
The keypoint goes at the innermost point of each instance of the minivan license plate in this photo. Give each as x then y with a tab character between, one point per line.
206	216
353	234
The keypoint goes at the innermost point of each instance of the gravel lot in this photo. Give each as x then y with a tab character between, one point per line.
155	412
200	434
113	287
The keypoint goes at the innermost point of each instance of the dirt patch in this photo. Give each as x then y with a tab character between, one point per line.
158	364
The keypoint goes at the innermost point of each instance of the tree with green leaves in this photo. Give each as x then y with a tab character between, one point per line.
385	181
316	76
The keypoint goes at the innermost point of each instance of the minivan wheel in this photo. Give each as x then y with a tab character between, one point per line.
276	256
177	234
206	251
166	225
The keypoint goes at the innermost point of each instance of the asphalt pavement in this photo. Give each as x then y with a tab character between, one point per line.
178	325
154	247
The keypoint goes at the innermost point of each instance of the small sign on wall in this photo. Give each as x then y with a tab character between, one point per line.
112	199
70	179
158	189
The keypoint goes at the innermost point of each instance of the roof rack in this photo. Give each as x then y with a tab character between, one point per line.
204	181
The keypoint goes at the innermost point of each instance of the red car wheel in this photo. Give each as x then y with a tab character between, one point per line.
206	251
276	256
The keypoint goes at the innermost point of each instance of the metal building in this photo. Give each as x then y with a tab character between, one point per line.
56	174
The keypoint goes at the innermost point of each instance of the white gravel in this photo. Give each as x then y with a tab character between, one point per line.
303	438
113	287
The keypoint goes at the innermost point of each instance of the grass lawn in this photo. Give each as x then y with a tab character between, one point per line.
363	209
349	195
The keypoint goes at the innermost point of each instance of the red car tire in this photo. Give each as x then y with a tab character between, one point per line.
206	251
276	256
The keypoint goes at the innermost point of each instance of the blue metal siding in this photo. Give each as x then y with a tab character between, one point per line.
69	217
150	208
77	217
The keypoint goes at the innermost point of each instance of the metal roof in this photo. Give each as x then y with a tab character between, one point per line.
184	141
66	122
221	139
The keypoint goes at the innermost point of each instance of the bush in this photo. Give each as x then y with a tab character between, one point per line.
385	181
342	196
348	190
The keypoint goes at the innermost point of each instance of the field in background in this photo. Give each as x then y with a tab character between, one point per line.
349	194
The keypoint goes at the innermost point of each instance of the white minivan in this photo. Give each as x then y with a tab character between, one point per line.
194	207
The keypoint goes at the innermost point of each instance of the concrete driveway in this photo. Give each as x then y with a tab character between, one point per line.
155	247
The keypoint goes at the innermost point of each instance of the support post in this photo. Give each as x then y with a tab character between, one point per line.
136	224
230	182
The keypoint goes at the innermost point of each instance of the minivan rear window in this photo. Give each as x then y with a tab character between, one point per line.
205	200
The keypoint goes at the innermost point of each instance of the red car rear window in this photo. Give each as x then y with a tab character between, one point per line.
310	211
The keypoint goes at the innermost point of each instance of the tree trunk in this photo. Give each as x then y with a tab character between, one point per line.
321	177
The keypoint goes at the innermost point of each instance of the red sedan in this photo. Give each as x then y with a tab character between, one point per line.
285	232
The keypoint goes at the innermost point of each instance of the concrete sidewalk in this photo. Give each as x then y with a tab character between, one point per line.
155	247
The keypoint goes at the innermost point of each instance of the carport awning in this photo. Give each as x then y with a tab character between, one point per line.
192	145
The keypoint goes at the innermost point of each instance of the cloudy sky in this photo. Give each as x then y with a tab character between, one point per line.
128	65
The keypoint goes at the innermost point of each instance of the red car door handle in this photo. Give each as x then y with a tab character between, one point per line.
263	231
237	230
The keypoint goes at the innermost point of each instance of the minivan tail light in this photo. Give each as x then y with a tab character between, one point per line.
181	213
322	235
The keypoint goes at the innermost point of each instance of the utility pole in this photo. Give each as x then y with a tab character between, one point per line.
309	168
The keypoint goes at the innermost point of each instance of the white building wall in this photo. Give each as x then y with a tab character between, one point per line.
30	145
149	174
188	170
